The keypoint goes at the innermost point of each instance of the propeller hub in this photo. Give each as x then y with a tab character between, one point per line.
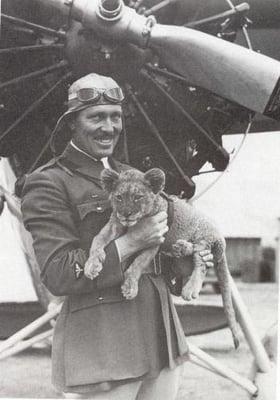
110	10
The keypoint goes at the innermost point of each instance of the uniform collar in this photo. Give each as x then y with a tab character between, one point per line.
82	151
78	161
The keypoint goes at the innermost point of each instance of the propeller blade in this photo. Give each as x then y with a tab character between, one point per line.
229	70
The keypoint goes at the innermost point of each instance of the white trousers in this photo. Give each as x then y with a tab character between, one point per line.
165	386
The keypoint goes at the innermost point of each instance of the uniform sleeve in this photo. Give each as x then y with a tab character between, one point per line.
49	217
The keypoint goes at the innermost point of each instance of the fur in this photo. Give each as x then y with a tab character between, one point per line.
134	195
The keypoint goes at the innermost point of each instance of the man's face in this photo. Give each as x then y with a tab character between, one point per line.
96	129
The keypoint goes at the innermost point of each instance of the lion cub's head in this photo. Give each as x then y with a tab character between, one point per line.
133	193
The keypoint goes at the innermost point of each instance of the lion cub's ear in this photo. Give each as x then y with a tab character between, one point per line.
109	178
156	179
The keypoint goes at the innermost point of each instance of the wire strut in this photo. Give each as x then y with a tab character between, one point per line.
40	28
240	8
34	105
35	74
35	47
183	111
157	135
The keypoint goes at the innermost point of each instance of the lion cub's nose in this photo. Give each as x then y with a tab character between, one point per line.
127	213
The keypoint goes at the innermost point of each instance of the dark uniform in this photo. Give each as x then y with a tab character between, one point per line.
99	335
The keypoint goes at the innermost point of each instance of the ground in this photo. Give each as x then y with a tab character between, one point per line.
27	375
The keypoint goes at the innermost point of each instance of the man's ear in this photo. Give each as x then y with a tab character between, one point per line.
70	121
109	179
156	179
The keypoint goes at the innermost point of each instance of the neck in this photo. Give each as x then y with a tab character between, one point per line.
82	151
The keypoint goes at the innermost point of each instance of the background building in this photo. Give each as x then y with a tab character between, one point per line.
245	200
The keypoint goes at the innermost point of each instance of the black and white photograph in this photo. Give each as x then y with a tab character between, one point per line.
139	199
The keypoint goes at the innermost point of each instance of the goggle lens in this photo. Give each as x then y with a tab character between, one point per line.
114	95
87	94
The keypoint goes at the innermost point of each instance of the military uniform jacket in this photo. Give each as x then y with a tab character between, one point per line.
99	335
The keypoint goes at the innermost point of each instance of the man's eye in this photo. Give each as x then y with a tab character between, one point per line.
95	118
116	117
118	197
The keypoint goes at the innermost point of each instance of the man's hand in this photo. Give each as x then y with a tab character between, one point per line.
148	232
207	258
202	260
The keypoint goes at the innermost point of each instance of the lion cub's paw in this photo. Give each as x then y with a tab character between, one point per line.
94	264
193	287
182	248
130	286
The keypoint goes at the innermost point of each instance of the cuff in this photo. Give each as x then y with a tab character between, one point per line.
118	250
112	273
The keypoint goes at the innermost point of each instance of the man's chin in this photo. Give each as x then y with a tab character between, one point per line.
102	149
101	153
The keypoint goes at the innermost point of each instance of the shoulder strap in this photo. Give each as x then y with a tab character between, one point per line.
170	209
70	169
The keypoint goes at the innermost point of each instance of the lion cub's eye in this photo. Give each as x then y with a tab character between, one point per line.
138	197
118	197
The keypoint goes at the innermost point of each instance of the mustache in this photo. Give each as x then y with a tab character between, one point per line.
105	135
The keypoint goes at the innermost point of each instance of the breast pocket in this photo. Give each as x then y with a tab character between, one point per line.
93	215
98	205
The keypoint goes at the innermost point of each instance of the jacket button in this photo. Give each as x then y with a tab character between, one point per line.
99	208
100	298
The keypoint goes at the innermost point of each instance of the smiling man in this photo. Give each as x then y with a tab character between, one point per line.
96	130
104	346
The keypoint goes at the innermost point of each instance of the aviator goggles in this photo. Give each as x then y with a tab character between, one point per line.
93	95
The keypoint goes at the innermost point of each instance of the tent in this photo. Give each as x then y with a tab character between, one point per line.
16	282
18	298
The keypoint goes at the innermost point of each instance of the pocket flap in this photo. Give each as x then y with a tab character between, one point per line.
109	295
98	205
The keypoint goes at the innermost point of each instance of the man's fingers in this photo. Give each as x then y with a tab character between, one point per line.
162	229
208	257
162	225
209	264
205	252
160	217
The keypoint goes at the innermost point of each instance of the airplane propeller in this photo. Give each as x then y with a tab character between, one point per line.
226	69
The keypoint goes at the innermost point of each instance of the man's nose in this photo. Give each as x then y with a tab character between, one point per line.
107	125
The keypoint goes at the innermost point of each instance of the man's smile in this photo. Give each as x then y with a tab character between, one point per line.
104	141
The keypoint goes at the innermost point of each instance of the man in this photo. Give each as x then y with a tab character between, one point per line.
104	347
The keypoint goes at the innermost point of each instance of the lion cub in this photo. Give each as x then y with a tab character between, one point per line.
133	195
